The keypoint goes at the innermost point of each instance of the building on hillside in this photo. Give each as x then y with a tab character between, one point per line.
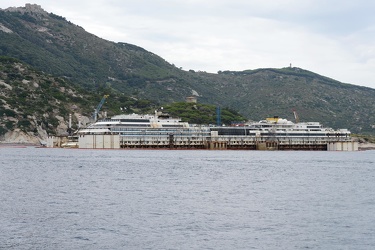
191	99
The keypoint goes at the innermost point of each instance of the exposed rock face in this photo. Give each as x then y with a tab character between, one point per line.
62	128
42	133
18	136
6	85
5	29
31	104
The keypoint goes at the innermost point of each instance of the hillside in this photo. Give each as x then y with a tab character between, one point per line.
25	94
34	104
53	45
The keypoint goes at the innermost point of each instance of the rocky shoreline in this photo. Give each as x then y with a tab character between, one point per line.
19	137
366	146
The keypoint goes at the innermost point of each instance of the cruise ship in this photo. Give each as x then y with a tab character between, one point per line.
160	130
278	127
278	133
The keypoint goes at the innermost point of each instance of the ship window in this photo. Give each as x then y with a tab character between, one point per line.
135	120
313	126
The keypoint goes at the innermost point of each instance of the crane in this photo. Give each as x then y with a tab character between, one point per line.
296	116
96	111
218	116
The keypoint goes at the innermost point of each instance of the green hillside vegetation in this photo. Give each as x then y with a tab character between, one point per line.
53	45
268	92
32	101
196	113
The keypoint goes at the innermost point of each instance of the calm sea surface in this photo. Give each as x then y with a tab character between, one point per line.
162	199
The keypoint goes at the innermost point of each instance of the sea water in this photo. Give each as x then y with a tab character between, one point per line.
177	199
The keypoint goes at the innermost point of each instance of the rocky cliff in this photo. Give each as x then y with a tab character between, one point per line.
34	104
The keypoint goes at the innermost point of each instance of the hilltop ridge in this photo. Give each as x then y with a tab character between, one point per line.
53	45
32	8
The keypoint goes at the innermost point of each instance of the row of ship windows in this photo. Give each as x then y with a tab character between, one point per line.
141	125
298	134
149	133
286	126
283	134
135	120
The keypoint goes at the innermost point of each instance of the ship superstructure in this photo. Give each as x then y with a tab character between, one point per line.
278	133
142	131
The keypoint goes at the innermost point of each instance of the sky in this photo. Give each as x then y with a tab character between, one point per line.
334	38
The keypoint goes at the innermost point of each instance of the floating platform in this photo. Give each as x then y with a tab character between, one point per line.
116	141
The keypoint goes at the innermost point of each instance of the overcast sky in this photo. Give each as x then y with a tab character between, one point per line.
334	38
